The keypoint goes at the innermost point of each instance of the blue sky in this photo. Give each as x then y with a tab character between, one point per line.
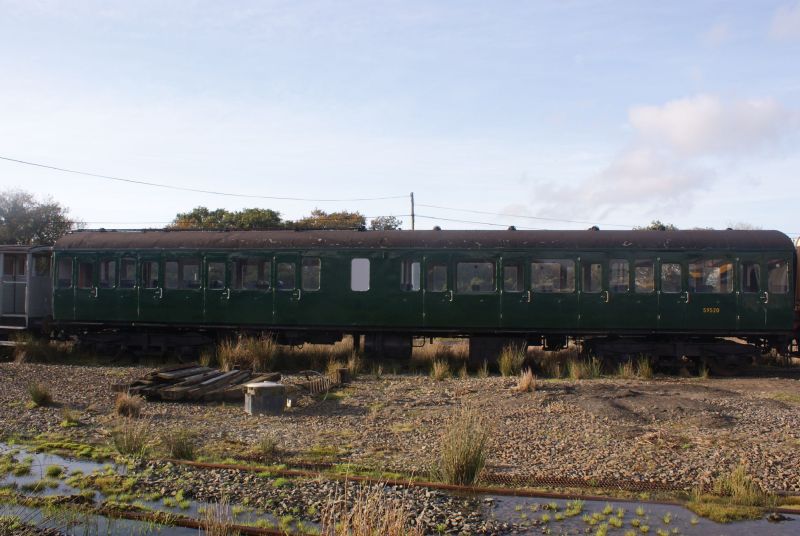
605	112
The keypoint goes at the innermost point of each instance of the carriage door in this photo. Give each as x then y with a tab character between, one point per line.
778	300
250	286
437	291
217	290
593	296
515	294
151	289
712	302
288	295
86	290
672	294
751	295
14	283
476	300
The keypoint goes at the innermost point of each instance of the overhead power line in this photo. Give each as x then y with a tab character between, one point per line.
542	218
195	190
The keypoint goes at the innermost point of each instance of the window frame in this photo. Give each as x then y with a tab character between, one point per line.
743	276
278	265
786	273
730	278
145	283
72	274
407	275
224	264
520	278
360	261
643	263
561	278
102	266
493	279
303	274
589	263
122	261
661	278
263	273
613	287
430	268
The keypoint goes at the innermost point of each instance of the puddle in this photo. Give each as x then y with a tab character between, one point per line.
526	514
659	519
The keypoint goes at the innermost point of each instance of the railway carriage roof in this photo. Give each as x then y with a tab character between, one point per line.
657	240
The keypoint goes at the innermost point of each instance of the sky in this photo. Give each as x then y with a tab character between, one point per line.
539	114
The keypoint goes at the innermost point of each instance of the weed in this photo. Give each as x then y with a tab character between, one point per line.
40	395
463	447
54	471
69	418
640	511
267	446
735	496
127	405
179	444
281	482
626	370
703	371
218	519
463	373
440	370
354	364
377	371
644	369
511	359
130	438
526	382
483	372
256	353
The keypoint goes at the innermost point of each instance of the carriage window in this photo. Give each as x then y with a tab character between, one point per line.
410	275
436	278
359	275
553	275
643	276
619	278
190	274
64	272
778	276
592	277
475	277
310	273
512	278
252	274
41	265
108	273
216	275
285	276
171	274
712	276
127	272
150	274
671	278
751	277
85	274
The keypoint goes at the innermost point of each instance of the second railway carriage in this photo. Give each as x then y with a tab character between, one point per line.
668	292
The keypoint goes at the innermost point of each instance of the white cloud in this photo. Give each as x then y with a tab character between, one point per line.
706	125
786	23
718	34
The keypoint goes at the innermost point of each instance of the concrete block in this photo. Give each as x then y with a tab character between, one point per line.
264	398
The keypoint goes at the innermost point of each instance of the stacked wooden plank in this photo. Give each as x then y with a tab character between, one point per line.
192	382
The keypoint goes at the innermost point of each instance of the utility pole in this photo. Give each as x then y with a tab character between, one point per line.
412	211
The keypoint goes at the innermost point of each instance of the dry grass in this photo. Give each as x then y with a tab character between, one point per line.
483	372
131	438
367	512
735	496
740	488
354	363
179	444
455	353
626	370
267	446
218	519
526	381
583	369
440	370
644	370
463	447
512	358
555	364
255	353
40	395
127	405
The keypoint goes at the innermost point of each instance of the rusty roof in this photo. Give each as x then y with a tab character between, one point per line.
457	240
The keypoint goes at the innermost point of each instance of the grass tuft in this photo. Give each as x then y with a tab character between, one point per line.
367	512
256	353
463	447
581	369
267	446
440	370
127	405
40	395
180	444
735	496
130	438
526	382
511	359
218	519
644	369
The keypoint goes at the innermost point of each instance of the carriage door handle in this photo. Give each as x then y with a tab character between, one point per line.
449	295
765	297
298	294
160	292
606	296
228	293
93	292
526	296
685	297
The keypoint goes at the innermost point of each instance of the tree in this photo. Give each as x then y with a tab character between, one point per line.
656	225
24	220
385	223
319	219
248	218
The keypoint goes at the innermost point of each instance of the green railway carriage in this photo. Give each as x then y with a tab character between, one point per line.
543	286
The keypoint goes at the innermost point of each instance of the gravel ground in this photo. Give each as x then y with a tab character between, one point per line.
668	431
